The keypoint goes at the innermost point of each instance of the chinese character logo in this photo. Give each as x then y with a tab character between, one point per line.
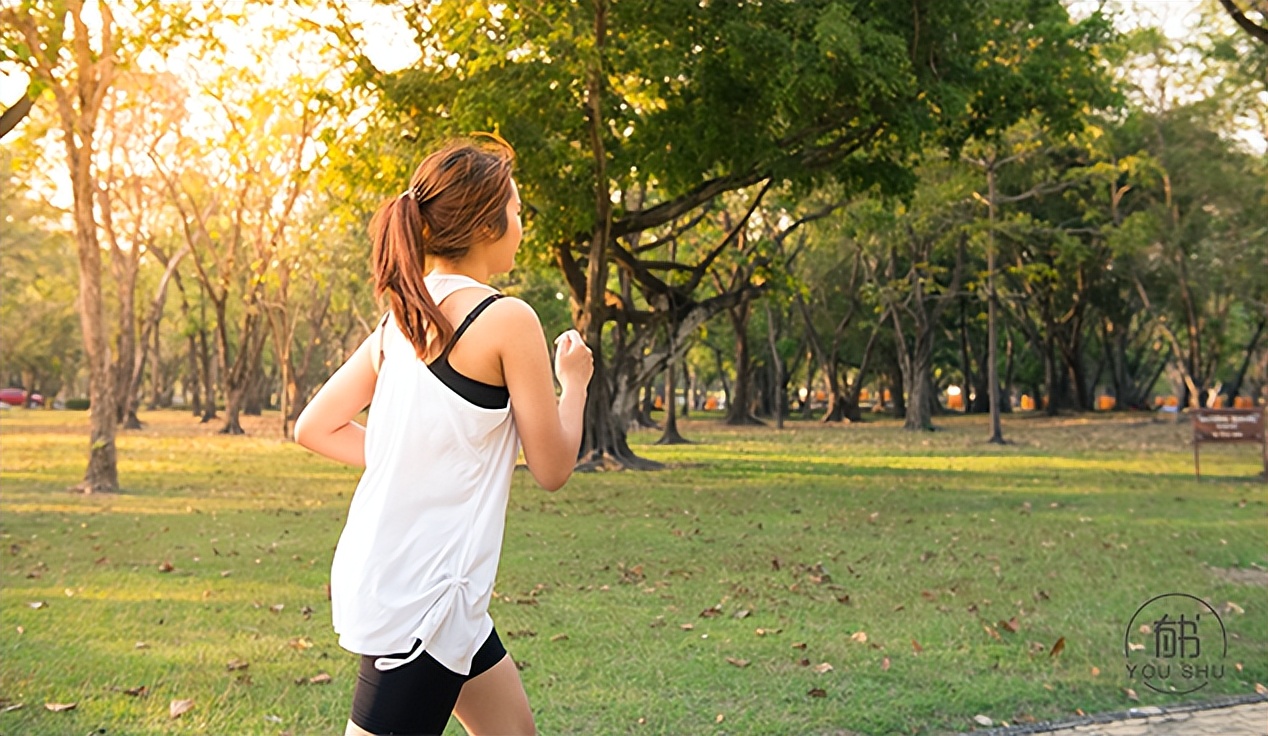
1168	633
1175	624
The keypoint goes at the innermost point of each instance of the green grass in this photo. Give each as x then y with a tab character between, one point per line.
927	534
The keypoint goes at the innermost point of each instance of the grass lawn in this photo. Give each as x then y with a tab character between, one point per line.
814	580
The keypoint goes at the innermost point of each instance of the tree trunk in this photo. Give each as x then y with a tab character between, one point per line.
102	474
208	378
739	408
1235	386
778	390
992	363
603	437
671	435
917	373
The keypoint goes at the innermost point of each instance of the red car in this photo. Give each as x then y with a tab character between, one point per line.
18	397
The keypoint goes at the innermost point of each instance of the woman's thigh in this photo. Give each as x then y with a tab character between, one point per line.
494	703
416	698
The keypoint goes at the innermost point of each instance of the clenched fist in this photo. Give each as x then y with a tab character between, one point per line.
574	363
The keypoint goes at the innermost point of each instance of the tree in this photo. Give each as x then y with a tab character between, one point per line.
235	210
1036	62
1257	30
923	245
40	346
687	100
63	61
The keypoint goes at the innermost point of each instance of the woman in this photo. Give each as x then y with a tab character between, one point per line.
413	571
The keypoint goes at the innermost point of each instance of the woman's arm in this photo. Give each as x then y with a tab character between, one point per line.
549	427
325	426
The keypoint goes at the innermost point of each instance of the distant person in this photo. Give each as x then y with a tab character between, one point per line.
450	408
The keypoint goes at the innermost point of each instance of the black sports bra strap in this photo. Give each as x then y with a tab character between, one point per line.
382	332
467	322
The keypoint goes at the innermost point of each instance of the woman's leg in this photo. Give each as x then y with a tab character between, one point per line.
493	703
353	729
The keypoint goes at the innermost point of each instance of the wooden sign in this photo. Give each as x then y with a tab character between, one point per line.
1228	425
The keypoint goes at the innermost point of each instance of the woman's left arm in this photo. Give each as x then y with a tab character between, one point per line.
325	426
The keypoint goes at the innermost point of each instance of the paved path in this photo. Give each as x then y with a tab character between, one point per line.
1235	716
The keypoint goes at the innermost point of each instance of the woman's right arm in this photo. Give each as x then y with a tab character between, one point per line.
326	425
549	428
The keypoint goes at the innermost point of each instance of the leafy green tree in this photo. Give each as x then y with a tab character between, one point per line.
689	101
40	346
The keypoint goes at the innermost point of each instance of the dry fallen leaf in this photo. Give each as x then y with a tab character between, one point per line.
277	608
1011	624
559	637
179	708
982	720
764	632
817	692
1096	671
137	691
991	630
237	664
59	707
167	567
1259	688
799	645
320	679
1056	648
885	665
1131	694
15	706
301	643
743	613
719	718
916	645
38	604
804	662
859	636
687	627
823	667
142	645
738	662
1133	646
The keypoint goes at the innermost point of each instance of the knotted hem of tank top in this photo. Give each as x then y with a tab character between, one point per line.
383	664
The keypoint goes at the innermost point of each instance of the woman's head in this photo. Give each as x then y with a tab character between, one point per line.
460	198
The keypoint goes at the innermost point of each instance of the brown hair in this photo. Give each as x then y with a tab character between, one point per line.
456	198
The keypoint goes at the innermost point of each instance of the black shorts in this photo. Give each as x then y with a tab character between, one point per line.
418	697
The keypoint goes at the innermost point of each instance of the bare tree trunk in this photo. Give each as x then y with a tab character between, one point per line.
1235	386
992	362
671	435
79	88
777	364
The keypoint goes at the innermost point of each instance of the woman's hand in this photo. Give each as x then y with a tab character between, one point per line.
574	362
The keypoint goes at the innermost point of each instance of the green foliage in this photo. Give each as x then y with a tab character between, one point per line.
40	346
929	542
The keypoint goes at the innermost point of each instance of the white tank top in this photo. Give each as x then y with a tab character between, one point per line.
420	549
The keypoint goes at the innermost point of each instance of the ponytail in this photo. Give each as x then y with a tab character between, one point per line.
398	231
456	199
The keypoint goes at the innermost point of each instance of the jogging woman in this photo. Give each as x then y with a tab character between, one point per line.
450	409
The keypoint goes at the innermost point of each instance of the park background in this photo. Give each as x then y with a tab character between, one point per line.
931	285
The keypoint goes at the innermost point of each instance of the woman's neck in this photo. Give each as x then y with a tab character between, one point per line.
449	270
